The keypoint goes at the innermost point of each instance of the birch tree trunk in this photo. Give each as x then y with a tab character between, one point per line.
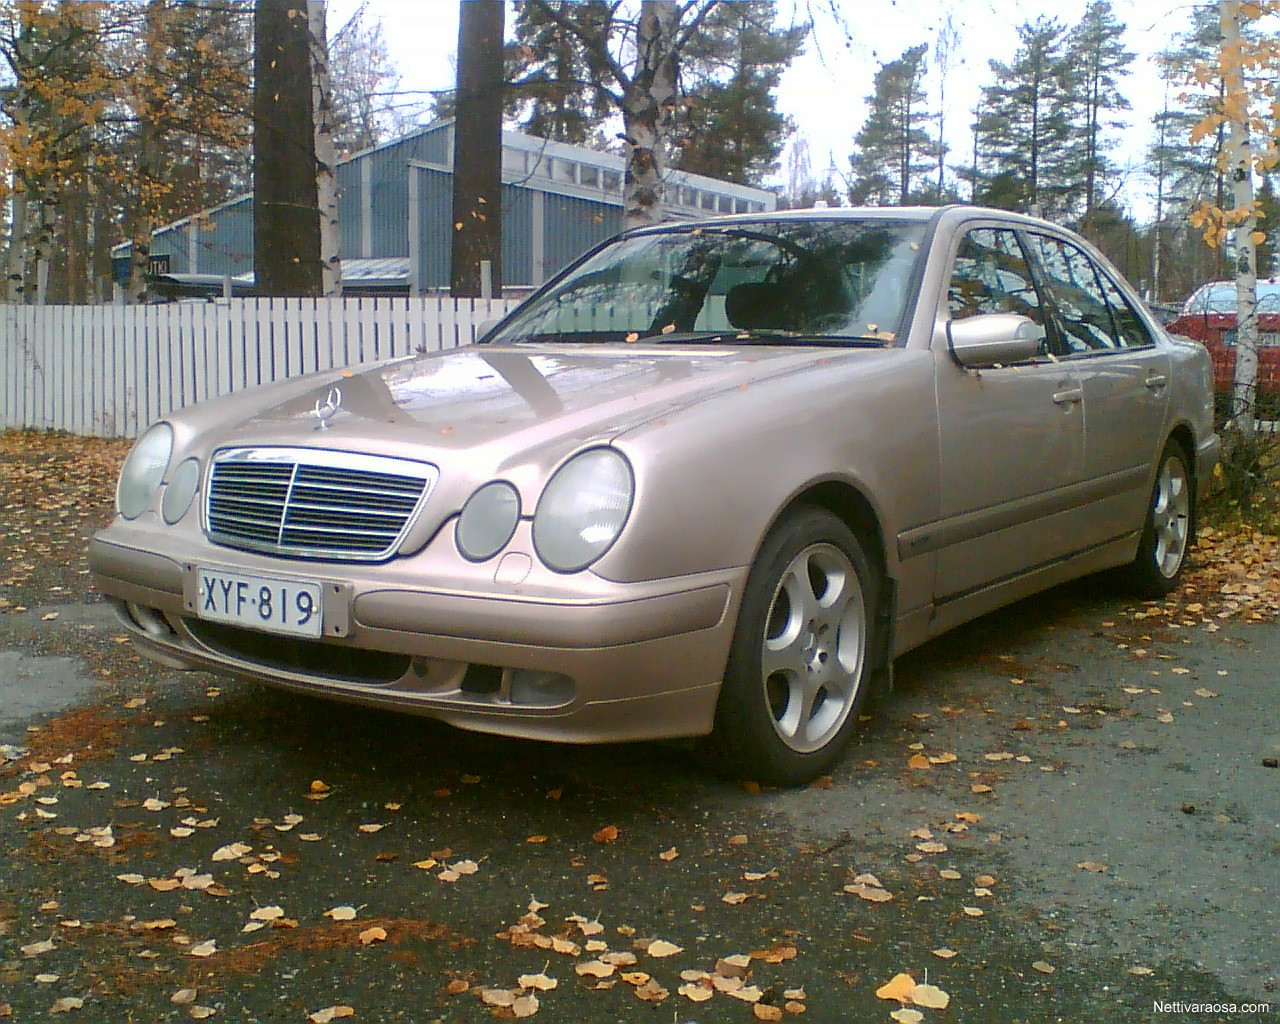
648	105
326	156
1244	389
16	272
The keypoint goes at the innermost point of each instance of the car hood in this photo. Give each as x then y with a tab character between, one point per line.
510	397
489	411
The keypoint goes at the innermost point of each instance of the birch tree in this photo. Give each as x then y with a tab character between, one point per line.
637	61
181	83
1244	79
60	90
326	153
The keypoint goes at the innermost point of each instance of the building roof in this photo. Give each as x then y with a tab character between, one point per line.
547	166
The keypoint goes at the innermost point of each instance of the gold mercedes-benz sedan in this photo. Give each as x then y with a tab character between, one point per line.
708	482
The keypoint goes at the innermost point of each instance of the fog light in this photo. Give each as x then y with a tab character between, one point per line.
541	689
149	620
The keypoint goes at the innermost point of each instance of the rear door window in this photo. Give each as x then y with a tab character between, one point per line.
1093	314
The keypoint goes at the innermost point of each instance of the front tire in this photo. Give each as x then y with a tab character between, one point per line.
803	653
1169	527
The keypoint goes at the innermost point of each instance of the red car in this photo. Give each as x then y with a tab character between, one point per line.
1209	316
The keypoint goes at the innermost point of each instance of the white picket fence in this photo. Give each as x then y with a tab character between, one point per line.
108	371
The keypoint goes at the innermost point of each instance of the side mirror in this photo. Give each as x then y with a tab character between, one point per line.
993	338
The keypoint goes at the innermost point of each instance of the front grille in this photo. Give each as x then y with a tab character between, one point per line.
314	504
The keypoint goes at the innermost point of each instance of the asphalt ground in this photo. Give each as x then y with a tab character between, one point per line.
1068	811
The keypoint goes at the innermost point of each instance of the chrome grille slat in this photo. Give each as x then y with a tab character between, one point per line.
309	503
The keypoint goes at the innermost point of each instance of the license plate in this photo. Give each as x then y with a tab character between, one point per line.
259	602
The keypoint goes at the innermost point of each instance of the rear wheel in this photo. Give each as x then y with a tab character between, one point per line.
802	655
1166	535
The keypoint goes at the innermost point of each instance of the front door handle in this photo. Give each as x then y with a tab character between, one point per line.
1156	381
1069	396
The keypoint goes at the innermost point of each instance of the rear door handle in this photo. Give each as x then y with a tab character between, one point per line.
1156	381
1068	396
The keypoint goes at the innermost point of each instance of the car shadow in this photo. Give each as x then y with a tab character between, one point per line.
388	752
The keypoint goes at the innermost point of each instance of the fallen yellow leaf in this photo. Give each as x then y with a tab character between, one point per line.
930	996
696	992
651	992
898	988
330	1014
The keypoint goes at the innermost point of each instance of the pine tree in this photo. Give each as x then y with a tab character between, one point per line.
1023	125
286	214
1268	205
477	150
1096	61
728	125
1186	172
896	153
556	84
1190	169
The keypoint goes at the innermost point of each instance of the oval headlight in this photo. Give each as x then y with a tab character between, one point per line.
488	520
143	471
583	509
180	491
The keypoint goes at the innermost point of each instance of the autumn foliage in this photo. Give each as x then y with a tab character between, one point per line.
116	118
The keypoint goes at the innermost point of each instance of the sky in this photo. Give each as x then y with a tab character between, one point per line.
825	89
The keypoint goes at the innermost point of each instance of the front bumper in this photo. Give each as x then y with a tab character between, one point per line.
575	659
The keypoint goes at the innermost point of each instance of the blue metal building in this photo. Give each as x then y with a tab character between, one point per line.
395	213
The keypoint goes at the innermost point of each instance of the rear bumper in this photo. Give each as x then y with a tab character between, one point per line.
578	659
1208	454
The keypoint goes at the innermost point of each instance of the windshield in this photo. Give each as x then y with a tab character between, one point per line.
809	281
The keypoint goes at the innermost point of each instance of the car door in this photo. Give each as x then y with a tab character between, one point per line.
1124	375
1011	437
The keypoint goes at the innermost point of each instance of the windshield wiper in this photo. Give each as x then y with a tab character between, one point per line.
760	337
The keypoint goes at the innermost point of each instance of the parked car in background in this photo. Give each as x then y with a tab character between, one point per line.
709	481
1209	316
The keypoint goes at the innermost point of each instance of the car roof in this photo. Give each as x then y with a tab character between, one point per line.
1219	297
923	214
